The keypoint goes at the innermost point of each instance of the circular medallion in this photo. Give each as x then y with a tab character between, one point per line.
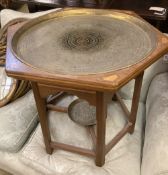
83	40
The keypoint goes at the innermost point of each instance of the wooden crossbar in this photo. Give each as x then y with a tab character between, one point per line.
57	108
115	140
123	106
74	149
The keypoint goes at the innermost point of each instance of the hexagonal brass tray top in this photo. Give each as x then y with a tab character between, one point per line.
89	53
73	42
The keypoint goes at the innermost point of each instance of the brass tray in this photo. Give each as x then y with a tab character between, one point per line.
83	41
81	112
8	87
11	88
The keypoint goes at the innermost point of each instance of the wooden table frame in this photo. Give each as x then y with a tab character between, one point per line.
98	99
97	89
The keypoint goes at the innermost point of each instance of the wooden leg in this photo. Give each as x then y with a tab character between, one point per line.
101	113
41	107
135	101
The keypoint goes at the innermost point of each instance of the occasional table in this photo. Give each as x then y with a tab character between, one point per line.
89	53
